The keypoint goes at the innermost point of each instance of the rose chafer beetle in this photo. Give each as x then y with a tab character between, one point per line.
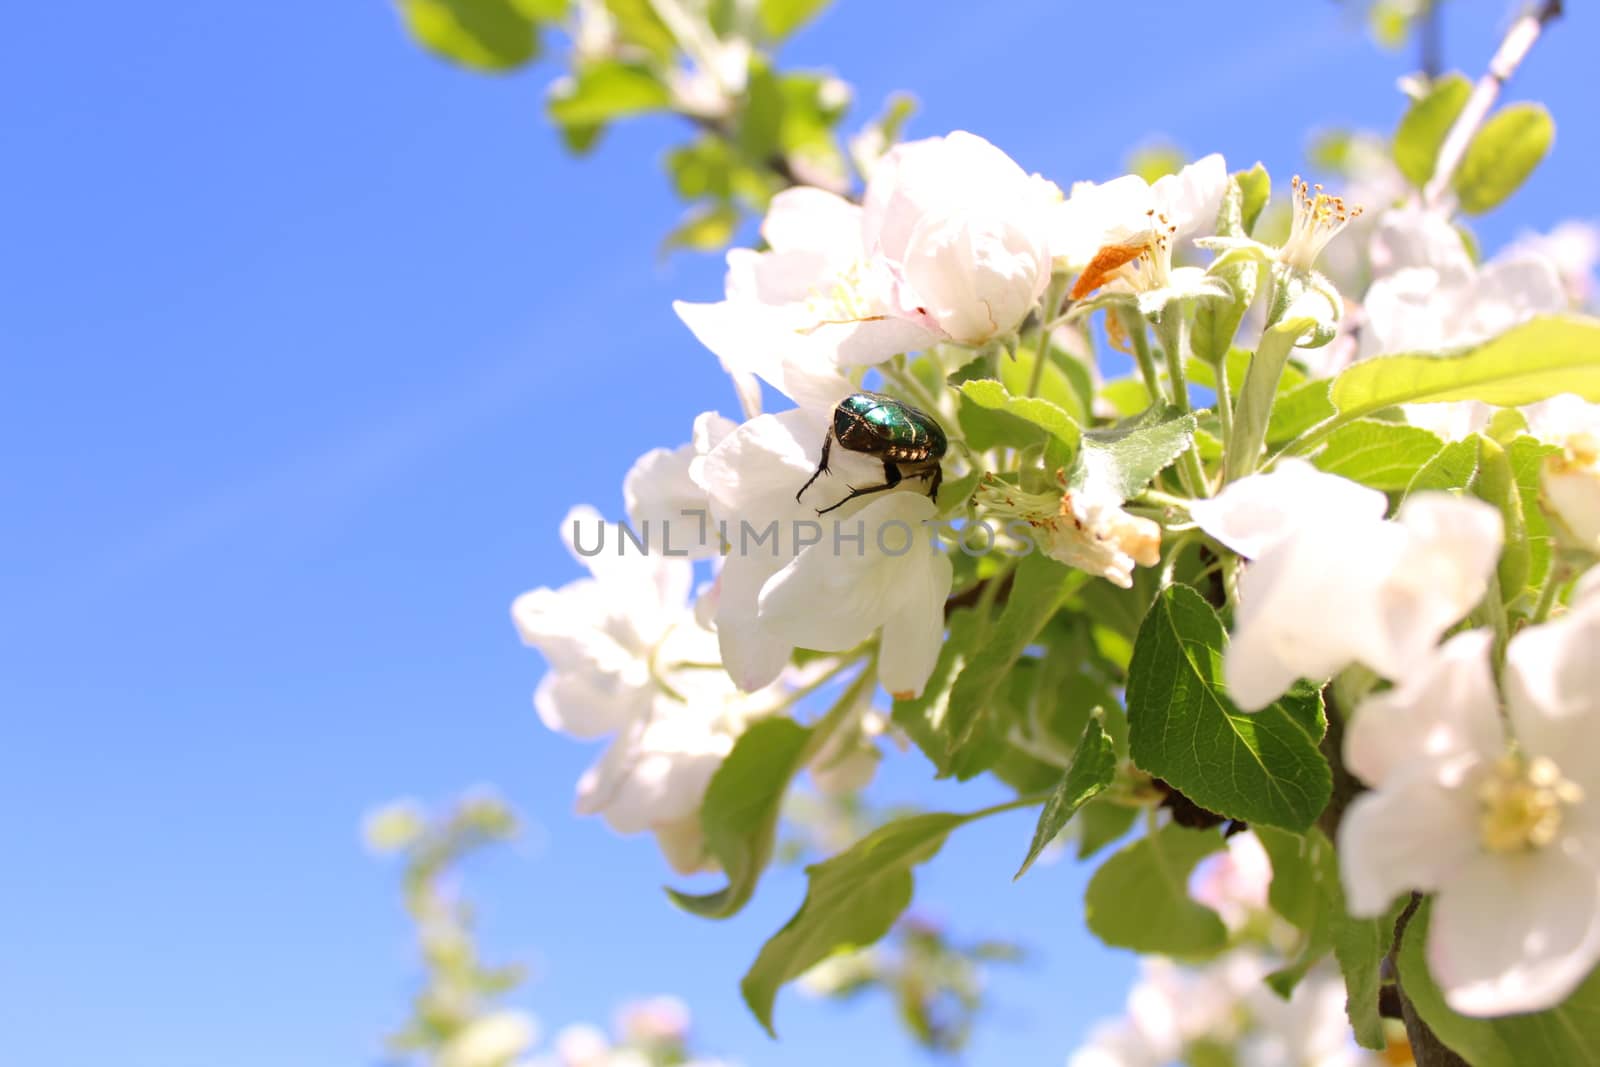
908	440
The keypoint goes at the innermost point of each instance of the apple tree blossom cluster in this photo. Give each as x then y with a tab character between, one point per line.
1180	505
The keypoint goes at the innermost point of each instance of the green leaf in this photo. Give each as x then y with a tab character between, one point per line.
543	10
1497	484
1139	898
780	18
852	900
1531	362
992	395
1055	384
606	90
1255	187
488	35
1264	767
1298	409
1034	597
1094	763
1502	155
1100	822
1566	1034
739	815
1307	892
1384	455
1455	467
705	229
638	24
1127	456
1422	131
1527	459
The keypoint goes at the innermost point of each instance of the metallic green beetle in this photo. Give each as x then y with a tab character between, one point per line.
908	440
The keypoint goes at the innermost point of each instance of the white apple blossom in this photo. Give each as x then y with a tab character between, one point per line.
1333	582
1084	527
1309	1029
628	657
1504	831
1573	248
1170	1008
1234	883
664	492
949	244
1434	297
834	595
1569	480
1122	235
1095	215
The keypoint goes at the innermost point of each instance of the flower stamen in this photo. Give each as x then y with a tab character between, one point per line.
1318	218
1523	803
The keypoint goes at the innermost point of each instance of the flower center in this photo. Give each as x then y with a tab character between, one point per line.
1318	216
1579	452
1523	801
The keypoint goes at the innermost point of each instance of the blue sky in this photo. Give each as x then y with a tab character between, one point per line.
310	341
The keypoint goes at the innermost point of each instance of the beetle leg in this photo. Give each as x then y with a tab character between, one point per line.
891	478
935	480
822	468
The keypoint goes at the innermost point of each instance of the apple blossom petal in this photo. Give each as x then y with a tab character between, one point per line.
585	705
807	219
776	343
862	343
1553	691
918	178
1411	834
977	273
1415	236
1446	707
1451	547
1192	198
825	602
1339	567
1515	932
1254	513
1513	289
914	632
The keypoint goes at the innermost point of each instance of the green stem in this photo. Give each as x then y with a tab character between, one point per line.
1175	343
1133	323
1041	341
1224	399
1551	592
1243	447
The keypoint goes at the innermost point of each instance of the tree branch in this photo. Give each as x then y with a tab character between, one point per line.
1507	58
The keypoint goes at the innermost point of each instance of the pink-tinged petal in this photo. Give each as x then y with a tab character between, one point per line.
1553	690
1411	834
1515	932
1254	513
1446	707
